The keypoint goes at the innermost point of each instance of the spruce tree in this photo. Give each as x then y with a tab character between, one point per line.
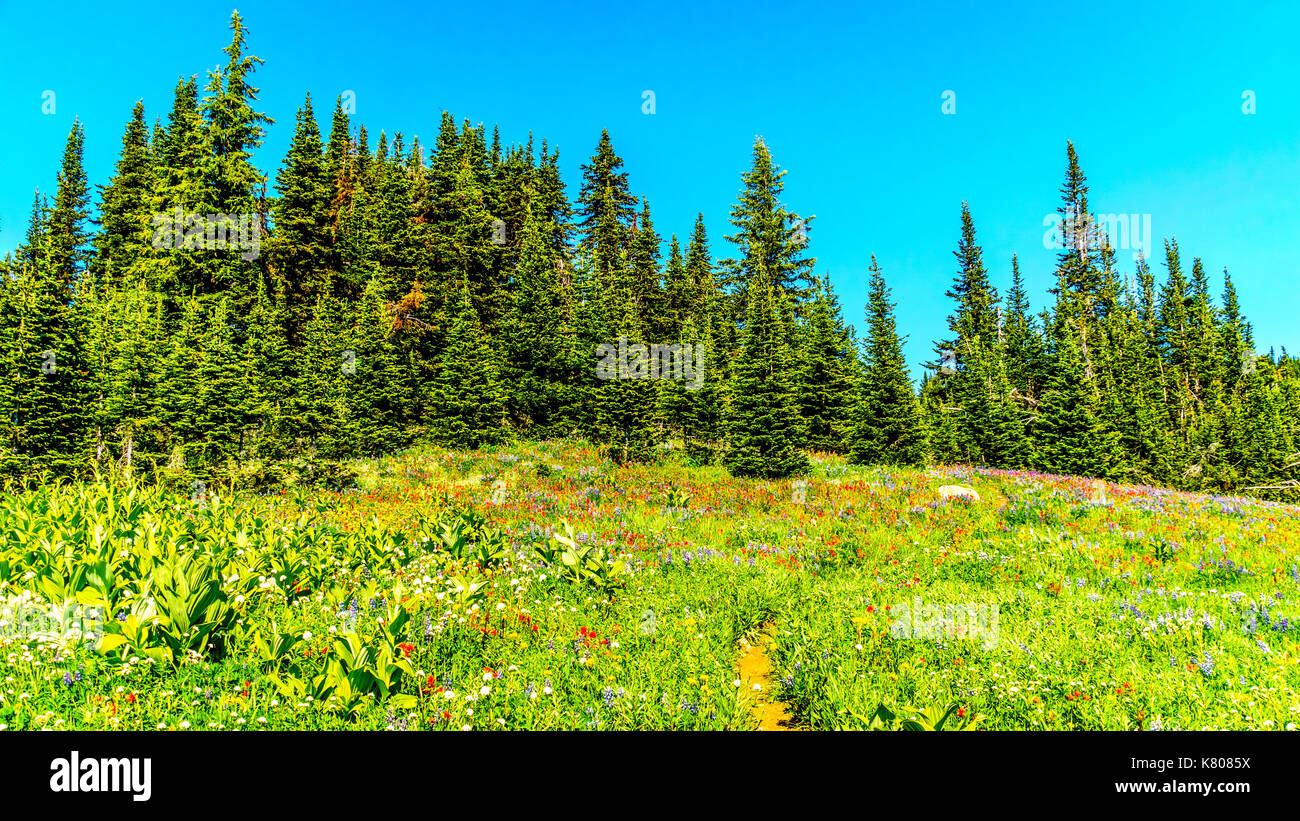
826	388
467	399
535	344
1070	437
67	237
300	250
224	406
764	426
888	427
125	207
770	241
379	390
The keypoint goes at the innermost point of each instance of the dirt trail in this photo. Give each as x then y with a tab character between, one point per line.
756	668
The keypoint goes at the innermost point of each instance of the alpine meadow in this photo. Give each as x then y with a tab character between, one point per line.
410	435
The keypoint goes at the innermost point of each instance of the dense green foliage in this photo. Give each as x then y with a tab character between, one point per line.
203	326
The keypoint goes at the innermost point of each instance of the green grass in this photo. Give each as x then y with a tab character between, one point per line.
239	611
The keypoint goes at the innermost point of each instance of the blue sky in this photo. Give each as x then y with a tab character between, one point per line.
848	96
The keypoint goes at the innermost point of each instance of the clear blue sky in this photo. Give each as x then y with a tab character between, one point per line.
848	97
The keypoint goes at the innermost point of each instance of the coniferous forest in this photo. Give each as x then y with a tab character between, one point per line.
311	425
191	318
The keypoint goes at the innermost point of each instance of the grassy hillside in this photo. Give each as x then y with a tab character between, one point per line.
543	587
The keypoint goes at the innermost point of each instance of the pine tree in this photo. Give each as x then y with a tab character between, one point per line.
1023	340
223	410
1080	285
270	377
232	130
535	345
300	250
770	240
764	426
644	284
52	397
125	212
181	388
67	239
180	155
976	315
467	400
132	404
1172	332
1071	438
379	391
826	389
606	210
318	409
888	427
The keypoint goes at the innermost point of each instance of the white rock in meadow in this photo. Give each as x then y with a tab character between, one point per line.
947	492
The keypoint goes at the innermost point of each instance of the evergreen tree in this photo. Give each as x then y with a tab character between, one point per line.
468	401
270	378
764	427
379	390
125	212
300	250
1024	344
1071	438
606	210
67	238
825	382
888	427
770	241
223	404
535	345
